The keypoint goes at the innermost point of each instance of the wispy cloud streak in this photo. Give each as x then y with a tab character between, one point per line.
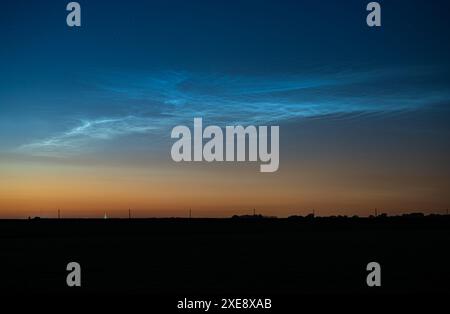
166	99
88	131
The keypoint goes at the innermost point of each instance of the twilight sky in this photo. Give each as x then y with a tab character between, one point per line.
86	113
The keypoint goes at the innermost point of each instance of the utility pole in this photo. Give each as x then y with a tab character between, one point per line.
190	213
59	213
376	212
129	213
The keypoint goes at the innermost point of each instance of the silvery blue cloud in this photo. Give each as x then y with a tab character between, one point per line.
153	103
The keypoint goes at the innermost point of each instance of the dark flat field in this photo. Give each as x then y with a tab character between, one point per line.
252	256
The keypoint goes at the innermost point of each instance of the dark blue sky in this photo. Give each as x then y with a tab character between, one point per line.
135	69
243	36
266	60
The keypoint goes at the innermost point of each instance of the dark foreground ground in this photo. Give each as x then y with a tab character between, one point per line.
226	257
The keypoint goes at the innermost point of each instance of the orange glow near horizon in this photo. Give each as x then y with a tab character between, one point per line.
39	189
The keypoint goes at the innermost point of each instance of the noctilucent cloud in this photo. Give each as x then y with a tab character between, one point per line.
154	103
